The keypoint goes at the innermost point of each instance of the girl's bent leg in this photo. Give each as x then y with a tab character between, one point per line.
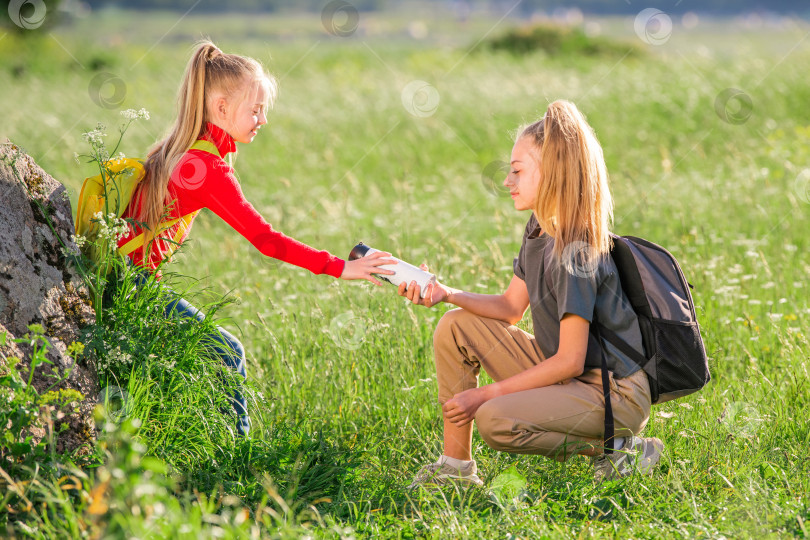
458	440
462	344
233	355
230	350
561	420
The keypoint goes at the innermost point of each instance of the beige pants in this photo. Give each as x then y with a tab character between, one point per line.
555	421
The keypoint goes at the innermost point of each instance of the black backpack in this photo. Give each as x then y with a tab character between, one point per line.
675	359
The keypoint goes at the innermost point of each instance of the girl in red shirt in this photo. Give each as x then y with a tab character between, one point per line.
223	100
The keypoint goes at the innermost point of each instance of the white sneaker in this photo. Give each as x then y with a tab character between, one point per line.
637	454
442	474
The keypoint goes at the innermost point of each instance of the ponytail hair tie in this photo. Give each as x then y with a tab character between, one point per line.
213	52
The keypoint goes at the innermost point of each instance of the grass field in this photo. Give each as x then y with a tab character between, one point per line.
723	185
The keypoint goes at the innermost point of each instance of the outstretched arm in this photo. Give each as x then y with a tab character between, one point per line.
222	194
508	307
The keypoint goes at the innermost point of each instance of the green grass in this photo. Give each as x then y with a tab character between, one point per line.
345	369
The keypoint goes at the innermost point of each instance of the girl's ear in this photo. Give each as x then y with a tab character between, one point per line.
219	108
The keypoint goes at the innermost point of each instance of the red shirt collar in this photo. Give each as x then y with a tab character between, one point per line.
220	138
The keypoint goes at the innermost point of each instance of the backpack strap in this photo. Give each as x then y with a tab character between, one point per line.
599	332
139	240
619	343
185	221
609	422
205	146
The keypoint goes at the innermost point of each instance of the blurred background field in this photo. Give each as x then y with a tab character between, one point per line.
706	132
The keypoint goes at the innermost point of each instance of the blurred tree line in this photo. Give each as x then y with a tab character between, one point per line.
526	6
239	5
23	15
719	7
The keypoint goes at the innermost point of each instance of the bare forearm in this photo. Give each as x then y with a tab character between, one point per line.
567	362
551	371
493	306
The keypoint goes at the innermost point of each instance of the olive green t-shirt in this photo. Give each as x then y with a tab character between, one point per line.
578	285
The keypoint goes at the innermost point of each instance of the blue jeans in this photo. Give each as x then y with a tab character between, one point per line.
228	348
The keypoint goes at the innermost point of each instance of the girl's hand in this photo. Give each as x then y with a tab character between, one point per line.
461	409
433	295
365	267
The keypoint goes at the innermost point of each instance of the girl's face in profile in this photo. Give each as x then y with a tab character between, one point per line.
524	176
242	120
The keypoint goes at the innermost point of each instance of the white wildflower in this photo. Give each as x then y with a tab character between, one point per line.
132	114
78	240
110	229
96	136
117	356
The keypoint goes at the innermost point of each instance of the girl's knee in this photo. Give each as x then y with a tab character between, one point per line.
234	352
501	431
494	427
451	320
444	328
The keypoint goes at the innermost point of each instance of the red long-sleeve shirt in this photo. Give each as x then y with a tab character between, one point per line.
203	180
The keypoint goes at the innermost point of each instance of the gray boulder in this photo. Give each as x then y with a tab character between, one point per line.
37	286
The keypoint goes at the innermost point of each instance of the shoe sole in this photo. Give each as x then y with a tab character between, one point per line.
647	470
446	480
658	446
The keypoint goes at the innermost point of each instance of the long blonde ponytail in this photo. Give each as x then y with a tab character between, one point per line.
574	204
208	71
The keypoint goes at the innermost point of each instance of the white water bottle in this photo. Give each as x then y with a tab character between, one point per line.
403	272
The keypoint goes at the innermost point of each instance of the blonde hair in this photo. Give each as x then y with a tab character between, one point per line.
209	72
574	204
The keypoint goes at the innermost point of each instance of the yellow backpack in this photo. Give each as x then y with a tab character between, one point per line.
111	192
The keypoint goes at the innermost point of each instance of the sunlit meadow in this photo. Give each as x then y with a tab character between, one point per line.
718	177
